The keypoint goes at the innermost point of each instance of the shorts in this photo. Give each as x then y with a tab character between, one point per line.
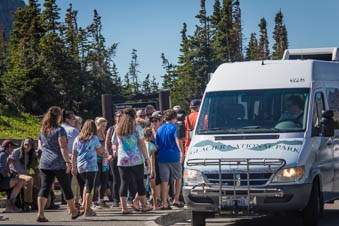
5	183
170	169
89	178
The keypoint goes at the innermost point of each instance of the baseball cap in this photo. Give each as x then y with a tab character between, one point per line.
5	143
156	114
177	108
195	103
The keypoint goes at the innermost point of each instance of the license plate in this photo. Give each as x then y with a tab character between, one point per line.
235	202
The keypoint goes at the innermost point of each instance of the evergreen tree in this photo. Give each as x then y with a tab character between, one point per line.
263	41
186	83
2	60
50	16
83	45
70	30
96	62
116	79
154	85
2	51
127	86
221	41
236	33
252	51
279	36
170	75
215	18
201	52
23	84
146	85
133	72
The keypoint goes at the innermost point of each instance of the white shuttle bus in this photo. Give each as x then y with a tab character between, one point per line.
267	138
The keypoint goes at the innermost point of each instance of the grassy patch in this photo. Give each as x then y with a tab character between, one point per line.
19	126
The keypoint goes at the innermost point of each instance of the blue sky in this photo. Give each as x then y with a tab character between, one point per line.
153	26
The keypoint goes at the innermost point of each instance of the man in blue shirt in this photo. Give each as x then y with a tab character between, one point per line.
6	182
170	157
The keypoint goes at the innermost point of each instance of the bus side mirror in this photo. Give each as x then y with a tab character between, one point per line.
327	123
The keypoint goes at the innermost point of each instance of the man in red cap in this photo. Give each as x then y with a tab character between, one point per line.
6	182
190	121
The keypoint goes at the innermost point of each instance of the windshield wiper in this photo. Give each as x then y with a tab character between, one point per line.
220	130
251	127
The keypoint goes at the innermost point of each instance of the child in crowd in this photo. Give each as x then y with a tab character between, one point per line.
151	149
86	147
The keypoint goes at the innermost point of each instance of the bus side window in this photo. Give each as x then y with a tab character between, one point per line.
317	109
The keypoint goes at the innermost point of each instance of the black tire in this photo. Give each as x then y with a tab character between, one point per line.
313	209
198	218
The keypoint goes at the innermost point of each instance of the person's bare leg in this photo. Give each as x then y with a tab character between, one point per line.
158	192
154	196
71	205
16	184
145	206
123	202
164	194
88	202
177	191
41	206
83	204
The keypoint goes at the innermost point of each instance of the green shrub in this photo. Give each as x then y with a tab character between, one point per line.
19	126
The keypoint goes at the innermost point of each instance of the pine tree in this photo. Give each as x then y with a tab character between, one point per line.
221	41
2	61
57	64
170	75
127	86
154	85
96	62
236	33
263	41
2	51
116	79
133	72
252	51
23	84
201	51
83	46
279	36
70	30
186	83
50	16
146	85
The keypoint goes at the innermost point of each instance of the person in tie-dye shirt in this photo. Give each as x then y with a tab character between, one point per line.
128	139
86	147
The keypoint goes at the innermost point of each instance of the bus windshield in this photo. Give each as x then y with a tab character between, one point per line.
254	111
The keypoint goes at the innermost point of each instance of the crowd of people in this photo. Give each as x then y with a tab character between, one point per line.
136	163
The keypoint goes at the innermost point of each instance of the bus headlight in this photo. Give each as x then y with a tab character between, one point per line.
193	177
292	174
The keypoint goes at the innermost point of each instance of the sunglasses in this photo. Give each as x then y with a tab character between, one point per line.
142	116
154	120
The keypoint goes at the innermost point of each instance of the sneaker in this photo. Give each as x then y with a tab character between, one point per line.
27	207
95	206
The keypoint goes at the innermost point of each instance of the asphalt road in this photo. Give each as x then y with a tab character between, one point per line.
104	217
331	218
